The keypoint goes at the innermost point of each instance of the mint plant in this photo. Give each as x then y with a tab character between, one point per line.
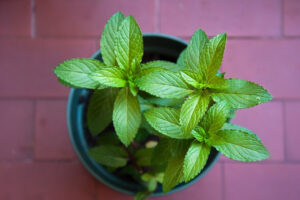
167	117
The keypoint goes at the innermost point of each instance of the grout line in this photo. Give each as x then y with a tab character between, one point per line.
34	129
15	37
157	16
285	157
33	16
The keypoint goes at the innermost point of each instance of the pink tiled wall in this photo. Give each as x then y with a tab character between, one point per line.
36	158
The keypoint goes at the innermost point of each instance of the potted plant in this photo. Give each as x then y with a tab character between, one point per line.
143	124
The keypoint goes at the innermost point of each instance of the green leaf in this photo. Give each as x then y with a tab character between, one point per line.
109	76
199	134
108	39
108	138
135	69
194	51
162	64
174	173
239	145
145	125
211	56
143	156
164	84
152	184
181	58
130	170
145	105
195	159
146	71
133	88
162	152
168	148
241	94
228	126
166	121
76	72
215	117
108	155
179	147
191	78
64	83
216	82
129	43
100	107
146	177
165	102
142	195
126	116
142	136
192	111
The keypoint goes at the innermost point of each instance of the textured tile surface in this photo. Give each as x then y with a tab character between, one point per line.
292	113
32	181
15	18
291	16
51	135
16	138
27	65
37	161
260	182
87	18
236	17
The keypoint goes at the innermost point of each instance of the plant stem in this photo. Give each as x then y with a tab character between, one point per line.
132	160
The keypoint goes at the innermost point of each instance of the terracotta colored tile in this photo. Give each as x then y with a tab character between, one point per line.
27	65
15	17
16	122
266	120
291	11
47	181
292	130
51	135
271	63
261	182
87	18
236	17
104	192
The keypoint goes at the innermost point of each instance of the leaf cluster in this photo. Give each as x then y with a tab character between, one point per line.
185	106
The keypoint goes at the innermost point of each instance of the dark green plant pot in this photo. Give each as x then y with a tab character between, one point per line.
156	46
